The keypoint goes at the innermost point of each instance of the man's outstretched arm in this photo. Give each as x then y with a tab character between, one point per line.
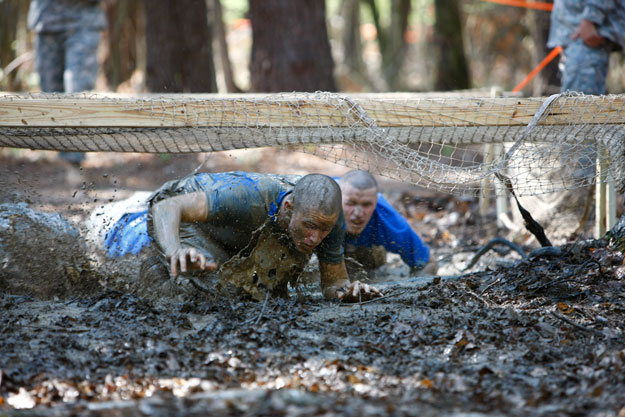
167	215
335	283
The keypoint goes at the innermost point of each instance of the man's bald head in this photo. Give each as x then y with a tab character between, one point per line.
317	192
361	180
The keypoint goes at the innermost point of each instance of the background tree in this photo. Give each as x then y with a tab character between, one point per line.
179	51
222	45
391	39
124	41
15	45
452	67
352	42
291	50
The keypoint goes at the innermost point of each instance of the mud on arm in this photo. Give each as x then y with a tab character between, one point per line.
167	216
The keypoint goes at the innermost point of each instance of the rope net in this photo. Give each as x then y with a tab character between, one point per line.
453	144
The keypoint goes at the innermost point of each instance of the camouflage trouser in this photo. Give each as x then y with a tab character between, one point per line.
67	61
585	68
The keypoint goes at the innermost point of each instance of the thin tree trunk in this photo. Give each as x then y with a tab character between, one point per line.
393	57
373	8
224	57
452	68
14	45
352	48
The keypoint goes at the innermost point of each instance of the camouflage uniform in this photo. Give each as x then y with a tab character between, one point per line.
68	34
585	68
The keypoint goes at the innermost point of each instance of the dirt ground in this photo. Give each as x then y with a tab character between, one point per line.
539	336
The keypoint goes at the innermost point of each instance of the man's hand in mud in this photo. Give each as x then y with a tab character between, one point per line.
189	259
356	292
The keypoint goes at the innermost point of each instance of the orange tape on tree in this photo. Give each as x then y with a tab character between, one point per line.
554	53
537	5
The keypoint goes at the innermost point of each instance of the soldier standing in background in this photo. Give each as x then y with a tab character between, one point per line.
66	47
588	30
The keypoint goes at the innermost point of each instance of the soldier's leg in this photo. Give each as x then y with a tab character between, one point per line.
81	70
585	68
50	60
81	60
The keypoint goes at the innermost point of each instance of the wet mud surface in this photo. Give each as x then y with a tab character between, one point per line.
538	336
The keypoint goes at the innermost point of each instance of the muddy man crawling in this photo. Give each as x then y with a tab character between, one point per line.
207	221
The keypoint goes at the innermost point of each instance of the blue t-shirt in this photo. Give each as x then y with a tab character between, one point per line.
389	229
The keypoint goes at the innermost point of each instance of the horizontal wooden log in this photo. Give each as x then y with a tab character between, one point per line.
300	111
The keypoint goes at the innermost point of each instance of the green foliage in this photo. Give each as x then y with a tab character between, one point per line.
234	9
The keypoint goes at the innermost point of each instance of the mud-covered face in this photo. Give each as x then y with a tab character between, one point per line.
308	228
358	207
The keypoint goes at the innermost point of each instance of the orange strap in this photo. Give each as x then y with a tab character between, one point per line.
554	53
537	5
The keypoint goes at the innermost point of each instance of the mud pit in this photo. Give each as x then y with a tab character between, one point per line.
542	336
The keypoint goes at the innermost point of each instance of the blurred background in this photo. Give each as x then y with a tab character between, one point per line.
282	45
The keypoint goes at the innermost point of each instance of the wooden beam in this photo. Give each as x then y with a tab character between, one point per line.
295	111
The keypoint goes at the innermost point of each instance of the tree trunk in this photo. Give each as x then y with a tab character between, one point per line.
394	53
15	49
179	51
124	41
291	50
224	58
547	81
375	14
352	48
453	73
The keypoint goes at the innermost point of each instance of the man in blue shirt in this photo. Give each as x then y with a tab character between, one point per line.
374	227
206	221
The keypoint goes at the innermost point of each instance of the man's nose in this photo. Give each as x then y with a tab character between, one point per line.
314	237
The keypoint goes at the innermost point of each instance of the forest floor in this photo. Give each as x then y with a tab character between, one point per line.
541	336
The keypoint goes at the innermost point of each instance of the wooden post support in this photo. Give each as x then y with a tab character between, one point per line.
489	153
610	203
605	196
501	191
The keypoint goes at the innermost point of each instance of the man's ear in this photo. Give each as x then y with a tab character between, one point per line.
288	202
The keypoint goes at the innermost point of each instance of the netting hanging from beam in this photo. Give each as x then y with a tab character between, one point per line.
450	143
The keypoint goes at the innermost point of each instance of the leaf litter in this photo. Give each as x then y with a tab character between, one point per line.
541	336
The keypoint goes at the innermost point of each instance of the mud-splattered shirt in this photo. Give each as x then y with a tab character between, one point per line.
238	204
